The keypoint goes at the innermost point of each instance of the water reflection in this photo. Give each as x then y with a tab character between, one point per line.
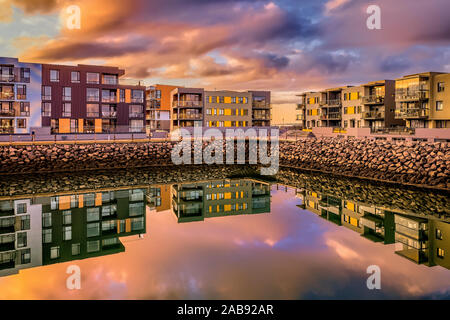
47	229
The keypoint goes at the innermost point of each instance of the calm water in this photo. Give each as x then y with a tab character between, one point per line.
234	238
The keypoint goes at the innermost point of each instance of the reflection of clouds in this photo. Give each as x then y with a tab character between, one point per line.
289	253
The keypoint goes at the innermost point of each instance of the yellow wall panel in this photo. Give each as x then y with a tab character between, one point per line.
80	201
98	125
64	125
227	112
227	124
227	99
98	199
128	95
64	203
80	125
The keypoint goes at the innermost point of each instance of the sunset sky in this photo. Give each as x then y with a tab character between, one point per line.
286	46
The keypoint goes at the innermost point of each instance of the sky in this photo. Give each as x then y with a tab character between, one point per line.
288	253
285	46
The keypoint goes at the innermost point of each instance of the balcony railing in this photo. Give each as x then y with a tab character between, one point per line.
7	78
7	95
188	104
412	113
136	115
373	115
261	117
7	113
396	131
261	105
331	116
411	95
109	99
301	106
137	100
109	114
187	116
373	99
334	102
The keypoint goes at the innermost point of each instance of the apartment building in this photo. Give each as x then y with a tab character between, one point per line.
20	236
158	106
20	96
228	109
423	100
414	101
379	105
197	201
90	99
187	108
421	240
80	226
261	108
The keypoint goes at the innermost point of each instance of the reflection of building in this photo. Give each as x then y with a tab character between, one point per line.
20	236
420	240
158	198
196	201
48	230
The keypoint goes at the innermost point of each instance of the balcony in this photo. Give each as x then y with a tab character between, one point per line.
333	103
109	114
331	116
109	99
414	113
6	95
301	106
8	112
136	115
417	95
261	117
187	116
373	115
7	78
188	104
260	105
373	99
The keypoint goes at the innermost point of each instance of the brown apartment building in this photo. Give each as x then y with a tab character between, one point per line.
90	99
158	107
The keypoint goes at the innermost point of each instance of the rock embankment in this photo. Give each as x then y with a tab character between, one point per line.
425	164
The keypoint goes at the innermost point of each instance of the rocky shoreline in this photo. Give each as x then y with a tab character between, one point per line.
421	163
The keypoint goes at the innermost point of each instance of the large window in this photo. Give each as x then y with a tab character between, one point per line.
21	240
21	92
54	75
439	106
75	77
46	93
67	217
54	253
21	123
93	229
109	96
92	78
92	110
109	111
67	109
46	109
137	96
440	87
93	214
110	79
92	94
76	249
47	219
67	233
136	126
67	94
93	246
136	111
47	235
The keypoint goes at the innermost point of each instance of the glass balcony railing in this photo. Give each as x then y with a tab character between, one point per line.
7	78
7	112
7	95
373	99
334	102
184	104
407	95
412	113
373	115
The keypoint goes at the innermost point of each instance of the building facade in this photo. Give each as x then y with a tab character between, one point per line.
414	101
90	99
158	106
228	109
423	100
20	96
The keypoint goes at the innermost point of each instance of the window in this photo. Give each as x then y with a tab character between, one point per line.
122	95
24	109
47	219
21	123
67	110
221	99
92	110
136	111
75	77
54	75
67	94
46	109
25	256
440	253
109	79
137	96
22	240
21	208
93	214
109	96
136	126
46	93
93	229
439	106
47	235
67	217
25	222
54	252
67	233
76	249
93	246
440	87
93	78
73	126
21	92
25	75
438	234
92	94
